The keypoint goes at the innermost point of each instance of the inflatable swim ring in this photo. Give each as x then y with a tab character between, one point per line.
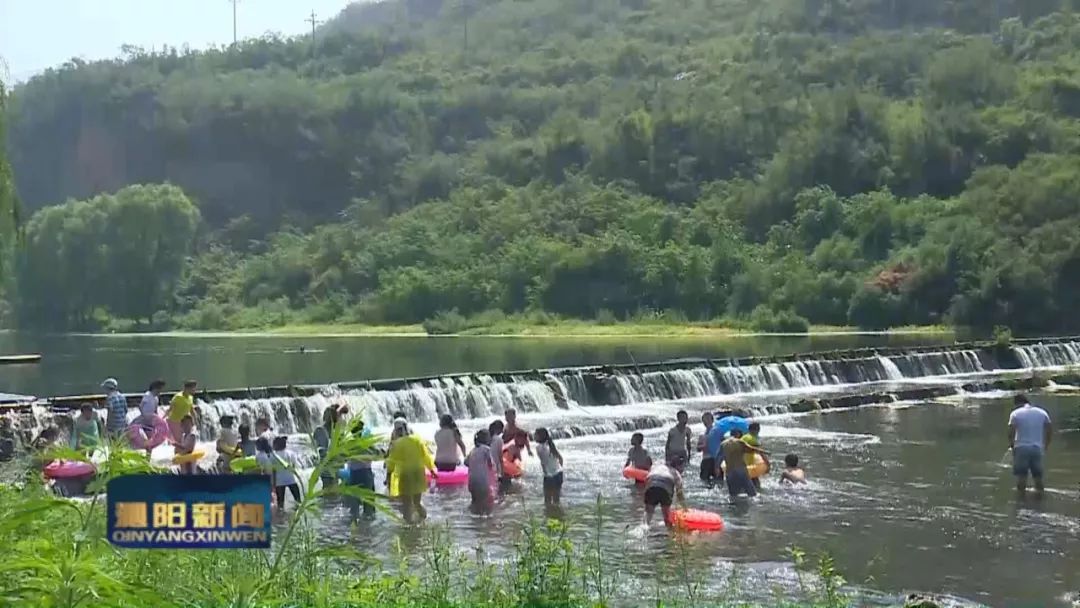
727	423
693	519
244	464
394	490
638	475
186	458
142	437
758	469
457	477
511	468
66	469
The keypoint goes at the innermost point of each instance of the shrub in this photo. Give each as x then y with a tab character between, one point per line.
446	322
784	321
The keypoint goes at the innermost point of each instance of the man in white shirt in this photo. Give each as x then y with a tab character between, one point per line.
1030	431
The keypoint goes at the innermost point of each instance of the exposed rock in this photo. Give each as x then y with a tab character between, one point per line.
919	600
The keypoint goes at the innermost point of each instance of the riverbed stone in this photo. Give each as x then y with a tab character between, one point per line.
919	600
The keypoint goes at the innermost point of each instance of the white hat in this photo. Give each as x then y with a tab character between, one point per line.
110	384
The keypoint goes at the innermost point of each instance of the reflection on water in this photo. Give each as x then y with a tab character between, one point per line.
78	364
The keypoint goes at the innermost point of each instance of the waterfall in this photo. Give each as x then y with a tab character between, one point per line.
481	396
891	371
1048	355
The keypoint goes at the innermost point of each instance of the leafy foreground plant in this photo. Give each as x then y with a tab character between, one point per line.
57	556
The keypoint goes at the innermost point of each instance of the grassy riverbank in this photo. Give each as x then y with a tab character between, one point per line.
548	328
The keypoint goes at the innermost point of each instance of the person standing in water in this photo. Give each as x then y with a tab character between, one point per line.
321	438
734	450
405	465
677	448
662	485
750	438
186	444
481	462
708	460
182	404
551	461
361	475
116	403
511	430
86	431
495	430
1030	432
447	443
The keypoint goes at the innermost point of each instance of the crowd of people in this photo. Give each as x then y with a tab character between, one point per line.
729	447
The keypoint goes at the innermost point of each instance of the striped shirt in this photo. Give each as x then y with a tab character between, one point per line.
117	405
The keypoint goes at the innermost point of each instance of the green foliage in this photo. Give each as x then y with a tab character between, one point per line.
9	204
870	162
785	321
120	253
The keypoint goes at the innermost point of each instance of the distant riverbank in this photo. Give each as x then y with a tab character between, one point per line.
567	328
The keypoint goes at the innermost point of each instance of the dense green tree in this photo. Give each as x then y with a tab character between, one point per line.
873	162
118	254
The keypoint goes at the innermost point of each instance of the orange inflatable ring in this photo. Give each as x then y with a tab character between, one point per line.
637	475
759	469
511	468
693	519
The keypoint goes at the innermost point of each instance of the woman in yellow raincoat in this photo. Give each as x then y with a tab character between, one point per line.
406	464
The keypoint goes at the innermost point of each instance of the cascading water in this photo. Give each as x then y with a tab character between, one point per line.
484	396
1048	355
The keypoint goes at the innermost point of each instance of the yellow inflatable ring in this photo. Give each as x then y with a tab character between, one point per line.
759	469
186	458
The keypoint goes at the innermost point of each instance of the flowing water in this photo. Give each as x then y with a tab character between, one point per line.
912	496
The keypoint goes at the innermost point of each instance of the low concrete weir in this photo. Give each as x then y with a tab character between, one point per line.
797	382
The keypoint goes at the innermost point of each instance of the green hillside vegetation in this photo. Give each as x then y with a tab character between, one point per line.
875	163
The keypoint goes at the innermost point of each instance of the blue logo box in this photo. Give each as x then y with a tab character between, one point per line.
189	511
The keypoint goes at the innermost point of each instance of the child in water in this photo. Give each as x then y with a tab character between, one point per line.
662	485
750	438
792	473
246	443
551	461
186	444
638	457
227	444
284	463
495	430
481	462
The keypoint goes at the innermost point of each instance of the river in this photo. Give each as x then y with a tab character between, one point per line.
909	496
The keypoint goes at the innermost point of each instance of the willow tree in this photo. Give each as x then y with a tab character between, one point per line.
9	206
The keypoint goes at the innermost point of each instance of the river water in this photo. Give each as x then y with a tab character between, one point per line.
906	496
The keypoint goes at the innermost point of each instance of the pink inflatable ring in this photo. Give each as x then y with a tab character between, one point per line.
66	469
693	519
143	437
638	475
457	477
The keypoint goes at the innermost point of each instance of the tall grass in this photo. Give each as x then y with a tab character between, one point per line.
56	555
